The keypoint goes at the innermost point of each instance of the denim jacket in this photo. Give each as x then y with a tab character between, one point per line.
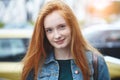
50	69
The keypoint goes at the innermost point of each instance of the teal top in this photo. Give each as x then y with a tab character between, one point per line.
65	70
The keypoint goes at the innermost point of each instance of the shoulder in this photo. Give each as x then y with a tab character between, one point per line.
100	57
30	75
100	60
101	65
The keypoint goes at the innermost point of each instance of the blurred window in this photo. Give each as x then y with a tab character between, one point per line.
114	36
13	49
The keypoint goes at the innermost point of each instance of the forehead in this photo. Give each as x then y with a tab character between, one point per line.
53	19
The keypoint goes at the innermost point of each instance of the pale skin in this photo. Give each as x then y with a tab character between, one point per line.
58	34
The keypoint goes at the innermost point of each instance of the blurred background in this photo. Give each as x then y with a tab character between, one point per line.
99	20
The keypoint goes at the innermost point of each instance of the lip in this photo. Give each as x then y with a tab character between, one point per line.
60	41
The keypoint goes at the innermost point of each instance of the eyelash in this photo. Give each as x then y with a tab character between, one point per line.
62	26
48	30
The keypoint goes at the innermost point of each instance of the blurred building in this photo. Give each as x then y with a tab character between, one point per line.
87	11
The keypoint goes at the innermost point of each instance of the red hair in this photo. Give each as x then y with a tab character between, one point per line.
40	47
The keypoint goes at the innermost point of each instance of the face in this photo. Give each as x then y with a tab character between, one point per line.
57	30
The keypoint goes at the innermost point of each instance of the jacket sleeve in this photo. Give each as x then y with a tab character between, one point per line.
30	75
103	73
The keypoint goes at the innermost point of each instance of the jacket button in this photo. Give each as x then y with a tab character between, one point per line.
76	72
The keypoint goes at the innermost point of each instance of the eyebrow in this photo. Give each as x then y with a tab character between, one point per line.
63	23
47	27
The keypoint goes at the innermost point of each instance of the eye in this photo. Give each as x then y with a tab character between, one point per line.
48	30
62	26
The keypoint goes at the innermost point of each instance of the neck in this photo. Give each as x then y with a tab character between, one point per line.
63	54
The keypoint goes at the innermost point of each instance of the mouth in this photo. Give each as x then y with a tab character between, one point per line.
60	41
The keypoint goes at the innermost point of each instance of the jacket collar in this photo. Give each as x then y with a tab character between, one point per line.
50	58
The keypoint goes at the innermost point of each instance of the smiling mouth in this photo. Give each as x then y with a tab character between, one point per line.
60	41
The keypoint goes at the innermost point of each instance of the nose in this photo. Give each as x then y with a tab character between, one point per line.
57	34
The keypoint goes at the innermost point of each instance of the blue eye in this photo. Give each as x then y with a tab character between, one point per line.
48	30
62	26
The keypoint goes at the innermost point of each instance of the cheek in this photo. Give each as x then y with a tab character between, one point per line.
68	33
49	37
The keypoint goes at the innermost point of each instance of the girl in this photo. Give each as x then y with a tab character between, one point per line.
58	51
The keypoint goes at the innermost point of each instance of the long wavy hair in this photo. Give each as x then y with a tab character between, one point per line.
39	46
